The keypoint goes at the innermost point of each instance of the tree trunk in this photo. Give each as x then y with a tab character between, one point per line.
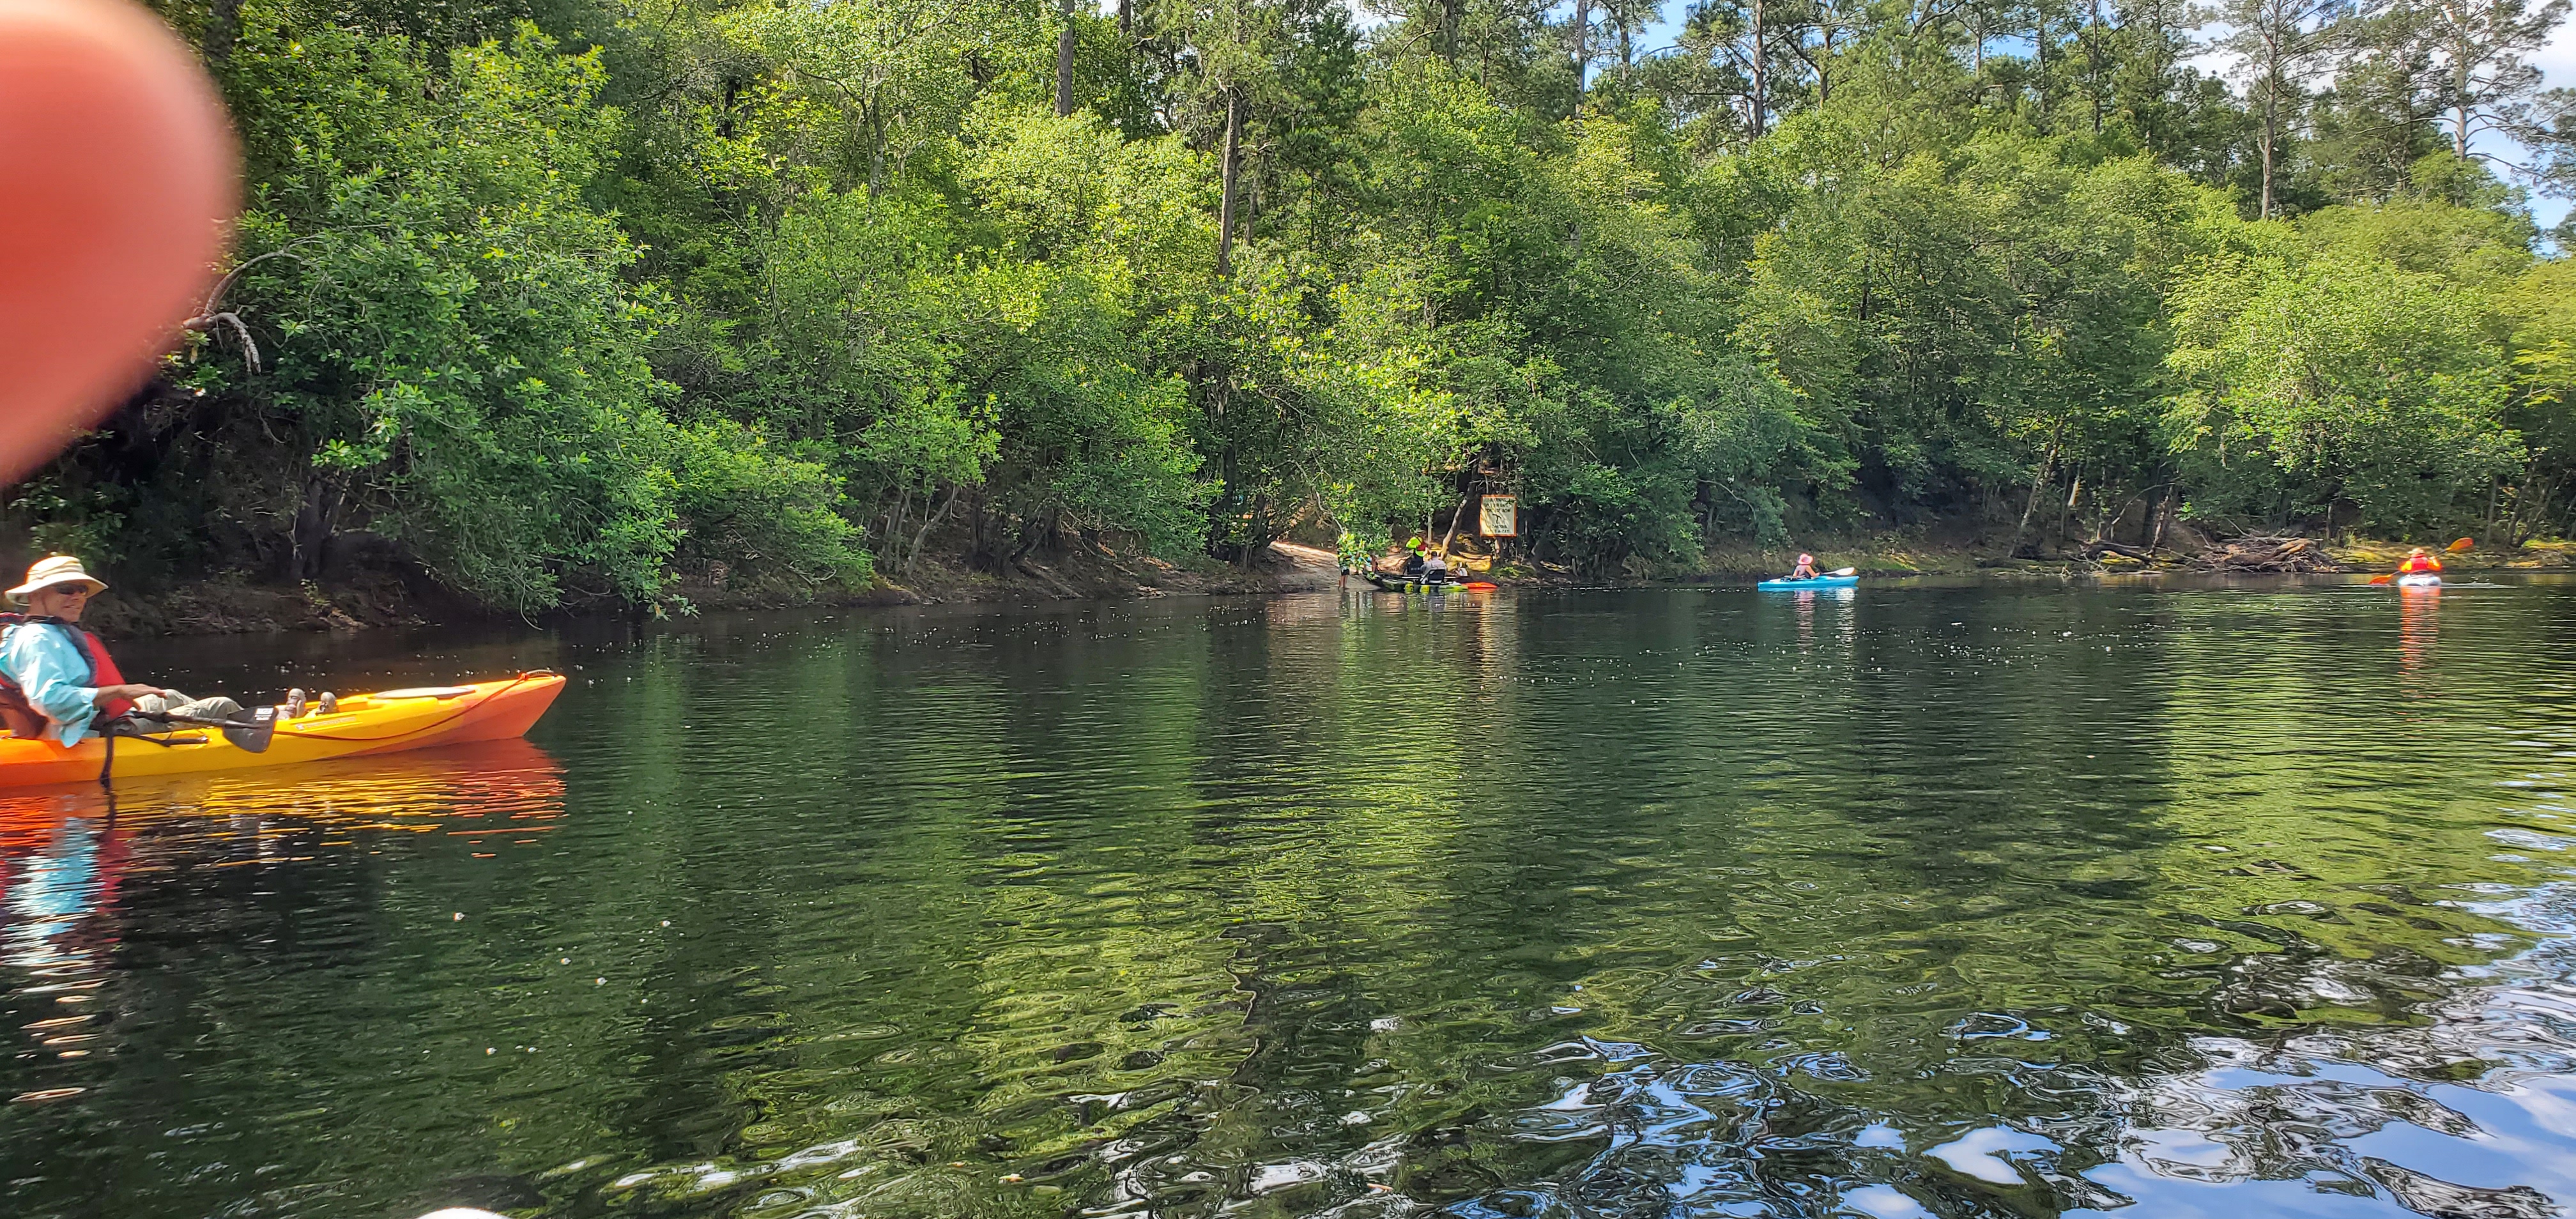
2536	504
313	526
2039	52
2047	458
1456	515
1582	42
1627	60
1256	538
2521	492
1126	22
1761	71
223	29
1064	61
2093	64
1225	186
2271	135
923	538
2268	138
894	522
873	129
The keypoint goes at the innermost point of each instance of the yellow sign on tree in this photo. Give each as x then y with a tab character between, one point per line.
1499	516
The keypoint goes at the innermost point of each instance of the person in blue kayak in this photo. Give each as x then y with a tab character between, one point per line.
1806	568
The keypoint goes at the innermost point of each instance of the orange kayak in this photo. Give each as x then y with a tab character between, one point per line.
363	724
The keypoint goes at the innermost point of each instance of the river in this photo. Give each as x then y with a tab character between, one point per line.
1959	900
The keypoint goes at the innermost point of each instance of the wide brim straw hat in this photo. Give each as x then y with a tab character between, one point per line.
52	570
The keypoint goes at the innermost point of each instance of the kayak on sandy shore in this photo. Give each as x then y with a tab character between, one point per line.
1416	584
362	724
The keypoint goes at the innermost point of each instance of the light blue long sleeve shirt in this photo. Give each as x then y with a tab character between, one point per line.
51	669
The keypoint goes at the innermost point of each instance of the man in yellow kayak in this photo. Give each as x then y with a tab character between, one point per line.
57	680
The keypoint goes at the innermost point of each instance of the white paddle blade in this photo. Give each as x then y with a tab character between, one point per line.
1844	571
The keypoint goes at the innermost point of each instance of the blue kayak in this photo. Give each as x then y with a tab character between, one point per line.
1818	582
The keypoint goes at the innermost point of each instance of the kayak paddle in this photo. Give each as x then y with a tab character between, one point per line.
250	736
2381	579
1844	571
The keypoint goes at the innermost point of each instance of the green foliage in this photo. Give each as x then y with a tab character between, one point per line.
1086	239
453	354
2313	380
457	356
746	505
1948	321
573	302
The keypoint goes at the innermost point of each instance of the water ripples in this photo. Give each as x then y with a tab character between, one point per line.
1930	901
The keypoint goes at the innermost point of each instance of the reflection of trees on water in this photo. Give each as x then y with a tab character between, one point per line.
1809	889
1368	905
180	910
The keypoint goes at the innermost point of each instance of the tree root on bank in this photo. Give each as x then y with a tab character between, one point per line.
2269	555
2110	553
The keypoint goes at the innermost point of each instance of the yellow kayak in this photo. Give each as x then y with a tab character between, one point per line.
385	722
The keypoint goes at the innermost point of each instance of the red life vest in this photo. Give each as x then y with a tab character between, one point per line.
21	717
2419	562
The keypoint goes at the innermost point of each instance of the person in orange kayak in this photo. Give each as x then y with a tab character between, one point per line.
2420	562
1806	568
57	680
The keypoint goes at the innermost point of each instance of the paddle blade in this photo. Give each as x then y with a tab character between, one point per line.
254	735
2381	579
2462	546
1844	571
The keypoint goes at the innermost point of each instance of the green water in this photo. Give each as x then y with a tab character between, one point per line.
1968	901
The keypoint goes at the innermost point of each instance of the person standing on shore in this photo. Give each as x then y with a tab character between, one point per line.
57	680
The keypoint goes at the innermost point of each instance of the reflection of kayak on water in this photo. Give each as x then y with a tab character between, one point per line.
511	778
67	852
56	870
361	725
